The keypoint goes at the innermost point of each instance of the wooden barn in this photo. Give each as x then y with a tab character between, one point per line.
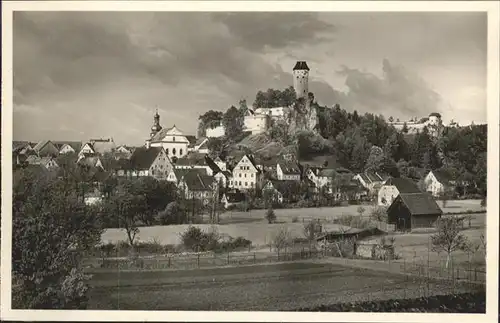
413	210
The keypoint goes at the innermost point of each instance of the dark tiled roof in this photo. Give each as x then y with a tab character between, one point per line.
281	186
420	203
76	145
235	197
443	176
143	157
289	167
197	182
404	185
301	65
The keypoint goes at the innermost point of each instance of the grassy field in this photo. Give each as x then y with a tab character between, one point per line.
253	226
285	286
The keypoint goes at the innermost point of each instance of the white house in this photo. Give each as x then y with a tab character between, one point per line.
199	146
245	174
176	175
321	177
93	161
232	198
68	147
196	186
393	187
216	132
195	162
172	140
438	182
220	163
223	177
372	181
288	170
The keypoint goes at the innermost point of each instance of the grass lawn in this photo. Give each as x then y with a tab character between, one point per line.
285	286
253	226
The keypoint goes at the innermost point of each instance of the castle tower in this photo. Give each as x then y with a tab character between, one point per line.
156	124
301	79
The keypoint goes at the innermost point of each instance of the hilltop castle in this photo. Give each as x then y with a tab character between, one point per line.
300	116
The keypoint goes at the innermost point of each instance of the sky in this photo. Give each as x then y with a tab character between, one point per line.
82	75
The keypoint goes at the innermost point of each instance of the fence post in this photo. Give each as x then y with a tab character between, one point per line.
254	258
228	258
169	260
198	261
475	274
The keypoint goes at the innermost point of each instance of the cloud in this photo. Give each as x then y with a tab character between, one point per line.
398	91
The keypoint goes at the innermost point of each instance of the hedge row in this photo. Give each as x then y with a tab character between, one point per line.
457	303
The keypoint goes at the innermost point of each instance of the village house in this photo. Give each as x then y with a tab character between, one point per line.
68	147
46	148
20	152
90	161
282	190
372	181
223	177
321	177
176	174
438	182
199	146
98	147
152	161
413	210
197	161
288	170
232	198
93	197
246	175
47	162
393	187
222	164
196	186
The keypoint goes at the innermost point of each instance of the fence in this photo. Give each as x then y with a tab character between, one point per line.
469	274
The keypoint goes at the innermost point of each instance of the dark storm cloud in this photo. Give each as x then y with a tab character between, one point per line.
275	29
79	49
399	91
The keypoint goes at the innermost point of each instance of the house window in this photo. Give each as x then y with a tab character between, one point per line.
246	183
173	140
180	152
239	183
245	175
166	151
173	151
239	174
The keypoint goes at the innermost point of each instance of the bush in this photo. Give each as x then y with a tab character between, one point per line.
295	219
483	202
379	214
270	216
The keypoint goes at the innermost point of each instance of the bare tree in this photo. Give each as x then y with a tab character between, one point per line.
281	239
448	238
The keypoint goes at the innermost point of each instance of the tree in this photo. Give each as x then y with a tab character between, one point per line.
379	214
270	215
127	207
209	119
51	229
405	128
448	238
361	210
174	213
281	239
233	123
311	230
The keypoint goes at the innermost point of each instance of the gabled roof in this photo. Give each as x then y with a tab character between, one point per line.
301	65
281	185
180	173
327	172
76	145
373	177
443	176
196	182
404	185
289	167
102	146
19	145
420	203
142	158
89	161
41	144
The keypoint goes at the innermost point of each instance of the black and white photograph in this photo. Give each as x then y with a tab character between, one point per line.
272	161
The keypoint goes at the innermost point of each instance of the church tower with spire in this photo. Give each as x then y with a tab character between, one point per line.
156	124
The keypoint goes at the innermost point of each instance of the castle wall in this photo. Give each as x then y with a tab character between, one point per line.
216	132
256	124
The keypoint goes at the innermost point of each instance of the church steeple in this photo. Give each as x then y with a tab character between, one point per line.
156	124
